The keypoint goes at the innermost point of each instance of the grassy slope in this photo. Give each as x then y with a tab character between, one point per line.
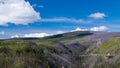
20	53
111	47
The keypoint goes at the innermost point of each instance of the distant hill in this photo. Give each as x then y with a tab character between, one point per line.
80	49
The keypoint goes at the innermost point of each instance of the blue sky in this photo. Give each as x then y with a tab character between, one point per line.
38	18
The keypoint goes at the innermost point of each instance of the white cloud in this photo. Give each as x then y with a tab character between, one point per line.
62	19
37	35
59	32
15	36
97	15
17	12
2	32
34	35
100	28
40	35
79	29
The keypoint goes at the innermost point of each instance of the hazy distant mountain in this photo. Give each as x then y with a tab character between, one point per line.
81	49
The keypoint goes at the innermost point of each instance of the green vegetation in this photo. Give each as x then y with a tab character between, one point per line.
108	52
112	46
69	50
21	55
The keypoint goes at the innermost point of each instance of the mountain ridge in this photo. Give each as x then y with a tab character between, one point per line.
80	49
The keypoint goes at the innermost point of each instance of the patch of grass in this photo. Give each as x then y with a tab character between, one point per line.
21	55
110	46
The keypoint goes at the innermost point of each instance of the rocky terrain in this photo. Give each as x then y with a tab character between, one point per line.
81	49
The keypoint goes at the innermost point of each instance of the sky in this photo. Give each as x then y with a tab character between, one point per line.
39	18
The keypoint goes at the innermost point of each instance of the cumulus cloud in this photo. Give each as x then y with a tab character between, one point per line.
34	35
15	36
62	19
17	12
2	32
37	35
40	35
59	32
79	29
97	15
100	28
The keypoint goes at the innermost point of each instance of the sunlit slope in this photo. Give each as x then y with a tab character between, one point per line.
106	55
112	46
81	49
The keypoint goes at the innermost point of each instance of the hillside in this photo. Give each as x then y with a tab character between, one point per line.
81	49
